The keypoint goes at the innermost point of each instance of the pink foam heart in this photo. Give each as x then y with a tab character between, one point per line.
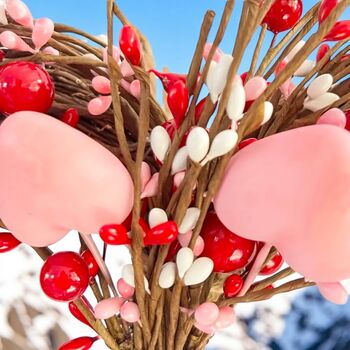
334	116
57	179
292	190
334	292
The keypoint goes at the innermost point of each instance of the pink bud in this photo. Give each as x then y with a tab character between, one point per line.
206	314
51	51
124	289
42	32
101	84
108	308
254	88
198	247
99	105
226	317
116	54
130	312
185	239
19	12
151	188
135	88
205	329
217	55
145	174
126	69
13	42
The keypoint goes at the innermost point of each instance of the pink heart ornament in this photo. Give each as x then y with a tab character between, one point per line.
58	179
285	194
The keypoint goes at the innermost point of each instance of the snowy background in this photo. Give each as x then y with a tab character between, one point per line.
297	321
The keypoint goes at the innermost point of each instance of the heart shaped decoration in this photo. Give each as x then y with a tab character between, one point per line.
285	195
60	186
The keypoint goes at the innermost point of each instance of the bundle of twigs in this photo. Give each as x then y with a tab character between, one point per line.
124	129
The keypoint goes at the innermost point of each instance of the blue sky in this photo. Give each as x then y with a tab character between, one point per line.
171	26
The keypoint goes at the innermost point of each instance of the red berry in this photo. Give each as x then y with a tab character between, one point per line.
161	234
177	99
246	142
8	242
233	285
168	79
114	234
340	31
244	77
90	262
283	15
326	8
248	105
71	117
173	250
64	276
82	343
228	251
200	108
273	265
130	45
347	114
324	48
170	128
77	313
2	55
25	86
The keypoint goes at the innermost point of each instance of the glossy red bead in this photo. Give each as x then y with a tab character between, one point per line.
233	285
175	246
64	276
283	15
244	77
323	49
162	234
246	142
228	251
326	8
168	79
170	128
347	115
71	117
90	262
82	343
77	313
8	242
272	265
200	108
114	234
177	99
340	31
25	86
130	45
